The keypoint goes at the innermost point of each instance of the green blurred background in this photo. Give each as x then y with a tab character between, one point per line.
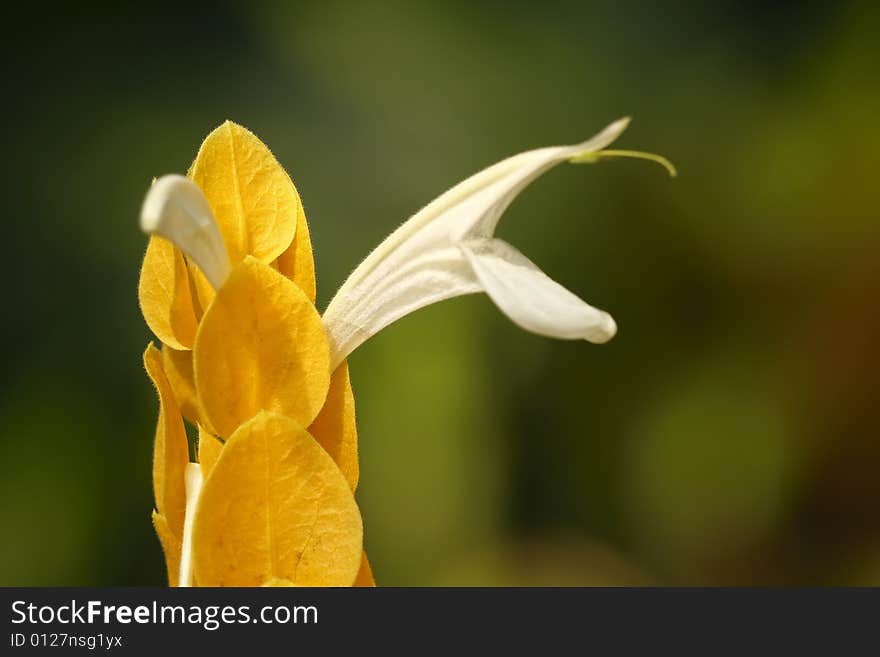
728	435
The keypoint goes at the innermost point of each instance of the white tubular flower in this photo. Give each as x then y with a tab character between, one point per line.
448	249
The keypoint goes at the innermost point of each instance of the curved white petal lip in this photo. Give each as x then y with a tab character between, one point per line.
448	249
531	299
176	209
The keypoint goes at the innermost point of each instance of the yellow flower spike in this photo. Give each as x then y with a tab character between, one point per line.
170	451
171	547
297	261
209	450
365	574
276	506
239	261
254	201
178	367
335	428
260	346
165	296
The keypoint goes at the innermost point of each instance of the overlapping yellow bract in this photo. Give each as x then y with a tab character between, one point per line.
292	515
171	547
249	365
254	202
365	574
209	450
252	198
171	451
179	370
260	346
297	261
164	294
335	427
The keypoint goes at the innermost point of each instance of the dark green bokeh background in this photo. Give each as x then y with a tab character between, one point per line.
729	434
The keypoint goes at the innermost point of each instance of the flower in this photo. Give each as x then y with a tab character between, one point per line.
228	287
448	249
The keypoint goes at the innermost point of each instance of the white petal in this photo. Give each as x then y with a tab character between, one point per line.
478	213
530	298
420	263
433	276
193	485
604	137
176	209
464	208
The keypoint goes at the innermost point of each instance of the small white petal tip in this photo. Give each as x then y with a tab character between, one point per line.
604	331
176	209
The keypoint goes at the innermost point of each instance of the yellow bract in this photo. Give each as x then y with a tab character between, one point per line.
165	296
253	200
179	370
365	574
170	449
171	546
209	451
297	261
276	506
260	347
335	427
